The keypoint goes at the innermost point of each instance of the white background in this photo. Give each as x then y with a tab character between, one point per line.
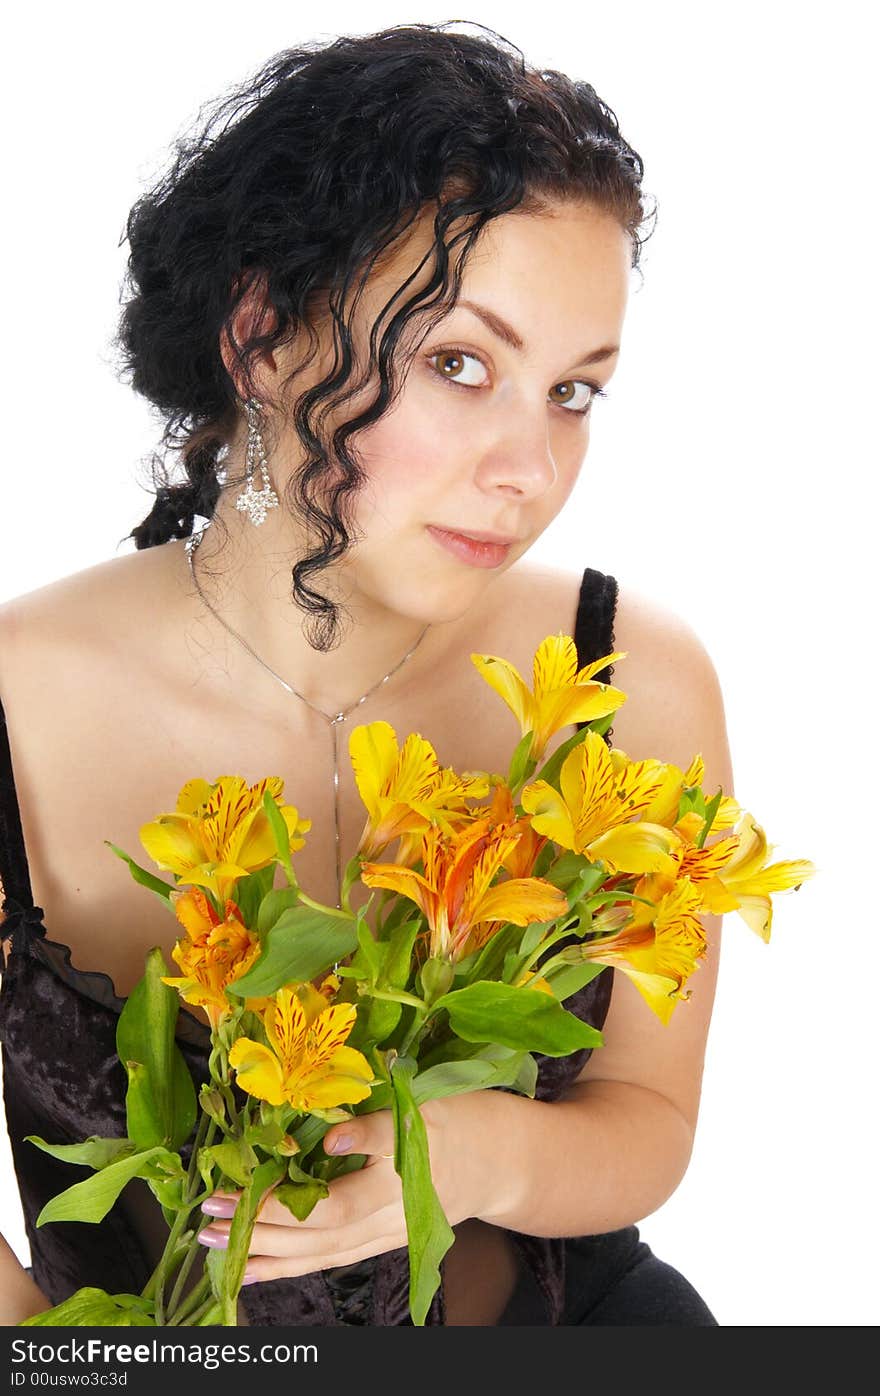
731	475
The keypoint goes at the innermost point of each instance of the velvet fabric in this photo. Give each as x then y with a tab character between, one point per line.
62	1081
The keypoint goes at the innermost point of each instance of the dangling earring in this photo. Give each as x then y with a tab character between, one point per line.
253	502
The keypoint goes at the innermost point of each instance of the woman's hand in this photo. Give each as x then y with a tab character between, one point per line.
363	1215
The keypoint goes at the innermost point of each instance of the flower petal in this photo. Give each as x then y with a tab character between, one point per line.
373	750
508	684
173	843
637	848
555	665
257	1070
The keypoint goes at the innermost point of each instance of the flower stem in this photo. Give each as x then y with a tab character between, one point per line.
193	1302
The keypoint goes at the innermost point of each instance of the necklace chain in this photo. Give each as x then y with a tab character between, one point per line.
332	719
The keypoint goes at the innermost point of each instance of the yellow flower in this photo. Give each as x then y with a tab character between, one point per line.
220	832
561	694
213	954
461	907
657	957
306	1063
599	792
747	879
405	791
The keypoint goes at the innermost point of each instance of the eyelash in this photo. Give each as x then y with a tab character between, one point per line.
596	390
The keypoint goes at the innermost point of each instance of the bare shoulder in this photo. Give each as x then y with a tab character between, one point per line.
674	693
66	630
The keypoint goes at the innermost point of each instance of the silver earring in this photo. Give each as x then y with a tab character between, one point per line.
255	503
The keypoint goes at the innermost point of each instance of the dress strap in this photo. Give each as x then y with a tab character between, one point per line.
17	902
594	625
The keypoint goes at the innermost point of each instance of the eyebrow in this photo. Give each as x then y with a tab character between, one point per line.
508	334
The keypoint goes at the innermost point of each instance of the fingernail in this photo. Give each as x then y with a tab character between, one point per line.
219	1206
249	1278
340	1145
209	1237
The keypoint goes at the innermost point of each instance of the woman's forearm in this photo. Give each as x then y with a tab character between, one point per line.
603	1157
19	1296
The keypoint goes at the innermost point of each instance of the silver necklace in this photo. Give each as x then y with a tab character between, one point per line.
333	719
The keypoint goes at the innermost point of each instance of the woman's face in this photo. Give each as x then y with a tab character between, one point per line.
487	436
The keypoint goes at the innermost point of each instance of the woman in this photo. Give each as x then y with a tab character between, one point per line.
374	301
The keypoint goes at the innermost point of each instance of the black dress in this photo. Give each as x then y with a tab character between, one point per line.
62	1080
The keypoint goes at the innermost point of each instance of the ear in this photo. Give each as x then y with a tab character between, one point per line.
254	315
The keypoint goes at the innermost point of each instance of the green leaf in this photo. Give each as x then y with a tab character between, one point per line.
373	951
91	1200
399	958
469	1074
302	1196
429	1234
162	889
566	980
279	900
250	892
93	1152
302	944
519	760
92	1308
382	1019
524	1018
236	1158
505	1059
711	811
280	834
264	1133
161	1097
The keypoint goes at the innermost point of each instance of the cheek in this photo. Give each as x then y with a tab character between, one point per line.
406	465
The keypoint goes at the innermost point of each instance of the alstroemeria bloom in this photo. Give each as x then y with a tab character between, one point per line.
561	694
745	882
306	1063
657	957
405	790
220	832
455	894
213	953
597	797
521	859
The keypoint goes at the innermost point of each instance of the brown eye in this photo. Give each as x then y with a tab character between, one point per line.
453	364
579	404
449	364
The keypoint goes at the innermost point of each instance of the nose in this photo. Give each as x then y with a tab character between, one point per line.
518	460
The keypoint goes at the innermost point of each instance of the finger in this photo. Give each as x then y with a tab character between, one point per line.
265	1267
352	1197
365	1134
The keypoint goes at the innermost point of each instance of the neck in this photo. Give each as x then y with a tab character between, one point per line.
243	572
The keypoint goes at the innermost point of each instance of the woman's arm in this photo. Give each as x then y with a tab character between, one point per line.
19	1296
621	1139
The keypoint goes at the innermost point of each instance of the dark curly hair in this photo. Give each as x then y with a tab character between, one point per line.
303	177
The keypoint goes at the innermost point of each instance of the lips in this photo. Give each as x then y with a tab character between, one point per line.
477	552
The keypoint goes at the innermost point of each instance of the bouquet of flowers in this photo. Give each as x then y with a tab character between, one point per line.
506	894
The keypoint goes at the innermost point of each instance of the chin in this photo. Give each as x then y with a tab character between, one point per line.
432	600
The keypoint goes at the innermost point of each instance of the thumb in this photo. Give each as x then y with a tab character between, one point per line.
365	1134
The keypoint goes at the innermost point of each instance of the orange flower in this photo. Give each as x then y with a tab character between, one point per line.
455	894
213	954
